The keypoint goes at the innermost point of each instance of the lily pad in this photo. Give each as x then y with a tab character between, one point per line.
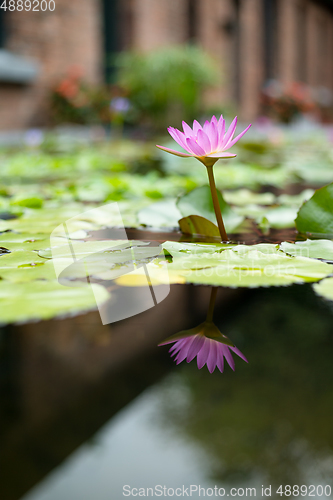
30	272
196	225
316	215
160	214
247	197
81	249
22	302
19	258
178	249
295	199
199	202
315	249
325	288
280	217
30	201
109	265
27	242
243	266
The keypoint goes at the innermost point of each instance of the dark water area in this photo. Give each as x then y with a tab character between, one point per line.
252	236
87	409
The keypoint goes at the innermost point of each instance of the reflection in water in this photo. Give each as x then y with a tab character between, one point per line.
205	342
274	420
270	422
131	450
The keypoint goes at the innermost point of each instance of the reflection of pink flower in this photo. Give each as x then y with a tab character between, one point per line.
208	350
209	141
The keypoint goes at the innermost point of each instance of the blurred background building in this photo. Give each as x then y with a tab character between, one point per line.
255	44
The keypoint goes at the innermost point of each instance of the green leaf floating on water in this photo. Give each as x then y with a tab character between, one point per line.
29	272
241	266
19	258
44	300
194	224
281	217
177	248
316	215
27	201
160	214
27	242
247	197
83	248
315	249
325	288
199	202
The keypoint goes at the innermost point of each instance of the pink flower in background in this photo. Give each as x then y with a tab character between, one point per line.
207	350
208	142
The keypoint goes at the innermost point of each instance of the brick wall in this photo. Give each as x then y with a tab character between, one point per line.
71	35
213	36
159	23
251	58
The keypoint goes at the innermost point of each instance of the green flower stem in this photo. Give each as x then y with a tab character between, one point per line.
211	304
217	208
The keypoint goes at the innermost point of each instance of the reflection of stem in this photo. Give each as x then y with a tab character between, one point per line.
211	304
216	204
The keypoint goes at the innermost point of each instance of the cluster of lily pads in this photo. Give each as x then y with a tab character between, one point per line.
271	184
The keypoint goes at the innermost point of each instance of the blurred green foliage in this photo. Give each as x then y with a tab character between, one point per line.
42	186
166	83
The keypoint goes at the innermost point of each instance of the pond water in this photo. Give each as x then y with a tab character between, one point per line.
151	423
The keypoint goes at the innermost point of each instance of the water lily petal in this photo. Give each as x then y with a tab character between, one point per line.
177	136
214	120
231	143
212	357
221	130
184	350
196	127
229	135
228	357
206	126
194	147
213	135
173	152
203	354
195	347
221	154
239	353
187	130
204	142
220	359
177	346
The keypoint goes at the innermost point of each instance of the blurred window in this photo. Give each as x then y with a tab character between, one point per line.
192	20
111	36
322	51
2	30
301	42
117	32
237	57
271	42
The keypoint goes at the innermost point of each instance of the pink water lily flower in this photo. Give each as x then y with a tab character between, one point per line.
209	345
207	143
